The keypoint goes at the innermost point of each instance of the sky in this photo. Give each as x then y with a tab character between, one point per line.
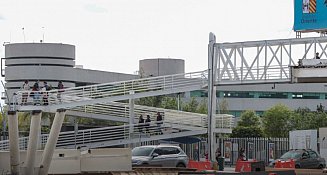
113	35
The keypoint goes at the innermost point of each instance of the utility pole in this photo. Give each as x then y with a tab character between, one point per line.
212	69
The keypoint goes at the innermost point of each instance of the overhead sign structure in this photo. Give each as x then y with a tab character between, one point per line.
310	15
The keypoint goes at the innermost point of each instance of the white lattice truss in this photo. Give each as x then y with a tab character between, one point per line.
261	61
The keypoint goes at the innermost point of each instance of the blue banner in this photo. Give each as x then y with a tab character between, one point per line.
310	15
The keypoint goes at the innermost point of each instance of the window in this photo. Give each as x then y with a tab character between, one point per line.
305	96
313	154
170	150
273	95
158	151
238	94
305	154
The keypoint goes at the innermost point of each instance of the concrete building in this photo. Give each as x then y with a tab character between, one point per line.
50	62
161	66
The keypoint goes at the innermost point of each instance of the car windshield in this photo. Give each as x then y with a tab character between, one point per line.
291	155
142	151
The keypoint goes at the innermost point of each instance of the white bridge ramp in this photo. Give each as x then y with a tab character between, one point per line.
116	91
171	127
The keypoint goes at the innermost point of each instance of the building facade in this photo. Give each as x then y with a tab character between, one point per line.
50	62
53	62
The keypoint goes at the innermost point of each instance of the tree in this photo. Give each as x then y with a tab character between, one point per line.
1	120
203	106
150	101
248	126
320	108
276	121
191	106
169	103
302	119
244	132
249	118
223	107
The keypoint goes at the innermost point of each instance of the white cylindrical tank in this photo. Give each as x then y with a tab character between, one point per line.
161	66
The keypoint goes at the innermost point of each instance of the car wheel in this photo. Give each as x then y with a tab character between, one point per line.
181	165
321	166
297	166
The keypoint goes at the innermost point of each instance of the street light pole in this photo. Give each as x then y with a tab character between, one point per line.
212	69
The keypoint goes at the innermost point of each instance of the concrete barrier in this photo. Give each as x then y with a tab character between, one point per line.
72	161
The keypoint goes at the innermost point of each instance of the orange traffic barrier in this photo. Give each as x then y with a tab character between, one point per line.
285	164
243	166
199	165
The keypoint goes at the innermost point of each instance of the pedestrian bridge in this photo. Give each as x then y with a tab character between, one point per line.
172	127
116	91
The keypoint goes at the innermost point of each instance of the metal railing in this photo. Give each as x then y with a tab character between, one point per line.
185	118
104	92
110	136
174	122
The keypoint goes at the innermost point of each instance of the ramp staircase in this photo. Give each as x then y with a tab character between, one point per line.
171	127
109	92
97	101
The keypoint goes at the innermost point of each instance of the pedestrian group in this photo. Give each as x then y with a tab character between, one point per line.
39	93
144	125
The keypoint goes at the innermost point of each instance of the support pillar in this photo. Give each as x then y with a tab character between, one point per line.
33	141
212	75
52	141
14	143
131	114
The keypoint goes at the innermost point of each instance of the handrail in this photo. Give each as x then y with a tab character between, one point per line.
117	109
113	135
122	88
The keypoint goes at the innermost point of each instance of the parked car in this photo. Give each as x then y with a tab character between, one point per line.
303	158
159	155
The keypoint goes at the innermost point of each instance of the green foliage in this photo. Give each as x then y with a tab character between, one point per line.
203	106
223	107
1	120
191	106
169	103
150	101
249	118
244	132
248	126
276	121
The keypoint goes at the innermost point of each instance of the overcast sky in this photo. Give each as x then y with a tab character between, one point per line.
113	35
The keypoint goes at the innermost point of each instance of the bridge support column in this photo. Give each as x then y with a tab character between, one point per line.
14	143
212	77
131	114
33	141
52	141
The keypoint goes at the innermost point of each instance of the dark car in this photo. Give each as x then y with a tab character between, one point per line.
159	155
303	158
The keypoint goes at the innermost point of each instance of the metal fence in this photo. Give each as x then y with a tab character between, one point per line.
261	149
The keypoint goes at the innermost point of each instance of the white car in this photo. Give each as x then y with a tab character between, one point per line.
159	155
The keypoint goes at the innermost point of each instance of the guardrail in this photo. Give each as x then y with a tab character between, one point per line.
114	89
